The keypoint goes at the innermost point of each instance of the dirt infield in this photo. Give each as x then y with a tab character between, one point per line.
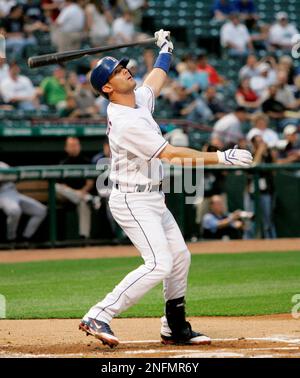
261	336
233	246
256	336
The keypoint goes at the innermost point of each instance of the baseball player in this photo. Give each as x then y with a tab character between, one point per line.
137	201
14	204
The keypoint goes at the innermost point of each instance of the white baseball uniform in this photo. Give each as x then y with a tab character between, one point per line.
135	141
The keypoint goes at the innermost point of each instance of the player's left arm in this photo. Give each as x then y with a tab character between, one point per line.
156	78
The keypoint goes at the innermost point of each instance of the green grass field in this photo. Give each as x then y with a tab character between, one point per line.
233	284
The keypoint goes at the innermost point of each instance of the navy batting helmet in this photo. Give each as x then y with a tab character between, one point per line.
103	70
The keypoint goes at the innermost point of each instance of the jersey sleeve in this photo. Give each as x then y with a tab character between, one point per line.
145	97
142	141
210	222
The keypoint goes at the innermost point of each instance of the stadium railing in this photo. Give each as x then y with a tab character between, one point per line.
287	189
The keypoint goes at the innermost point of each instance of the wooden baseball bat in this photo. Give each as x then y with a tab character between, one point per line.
54	58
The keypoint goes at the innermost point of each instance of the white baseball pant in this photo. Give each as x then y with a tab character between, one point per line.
14	204
83	209
153	230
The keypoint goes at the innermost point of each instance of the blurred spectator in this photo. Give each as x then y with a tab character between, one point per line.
285	94
221	9
250	69
52	88
286	64
261	154
4	69
116	8
5	7
213	77
77	190
218	224
177	137
14	204
291	151
69	108
72	82
273	67
85	99
260	83
259	32
147	63
15	31
67	30
51	8
246	10
213	185
281	32
104	187
18	90
296	88
33	11
136	7
34	17
215	103
228	130
206	108
192	79
178	98
123	29
246	97
235	37
4	73
105	153
98	21
102	104
260	123
273	108
197	111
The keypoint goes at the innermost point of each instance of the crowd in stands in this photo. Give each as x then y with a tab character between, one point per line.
266	95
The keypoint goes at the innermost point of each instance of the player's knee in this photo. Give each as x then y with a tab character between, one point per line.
164	267
42	212
14	212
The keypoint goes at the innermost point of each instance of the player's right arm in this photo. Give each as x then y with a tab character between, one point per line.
189	156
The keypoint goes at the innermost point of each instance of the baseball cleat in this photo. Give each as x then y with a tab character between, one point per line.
190	338
100	331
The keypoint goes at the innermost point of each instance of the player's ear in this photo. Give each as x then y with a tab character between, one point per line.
107	88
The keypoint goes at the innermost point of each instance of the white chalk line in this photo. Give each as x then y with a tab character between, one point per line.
281	339
28	355
150	351
190	353
215	354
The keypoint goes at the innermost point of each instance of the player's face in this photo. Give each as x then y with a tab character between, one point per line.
121	80
73	147
217	206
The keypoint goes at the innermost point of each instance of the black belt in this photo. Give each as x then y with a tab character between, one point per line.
140	188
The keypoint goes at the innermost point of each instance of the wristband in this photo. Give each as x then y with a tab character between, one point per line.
163	61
